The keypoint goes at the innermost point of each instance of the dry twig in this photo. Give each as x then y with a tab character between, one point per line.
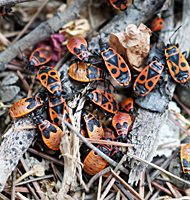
10	2
159	168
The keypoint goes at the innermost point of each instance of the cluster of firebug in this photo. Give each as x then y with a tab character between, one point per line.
122	122
85	71
49	78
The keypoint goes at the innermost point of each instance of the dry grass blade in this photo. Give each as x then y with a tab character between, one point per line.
104	171
179	125
165	190
21	196
119	144
30	22
181	104
109	186
43	155
164	166
159	168
126	185
122	195
170	187
141	188
3	197
99	188
182	118
115	170
23	80
35	184
13	185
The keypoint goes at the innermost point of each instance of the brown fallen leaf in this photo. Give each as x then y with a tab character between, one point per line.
134	43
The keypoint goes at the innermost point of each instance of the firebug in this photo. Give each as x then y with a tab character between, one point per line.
185	159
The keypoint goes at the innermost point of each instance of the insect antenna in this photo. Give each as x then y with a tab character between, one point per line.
174	33
158	37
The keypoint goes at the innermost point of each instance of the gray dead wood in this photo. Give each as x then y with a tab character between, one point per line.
184	40
43	31
146	129
11	2
147	123
14	145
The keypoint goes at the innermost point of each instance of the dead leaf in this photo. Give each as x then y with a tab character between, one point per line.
134	43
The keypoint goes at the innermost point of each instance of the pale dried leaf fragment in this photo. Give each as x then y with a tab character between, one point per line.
37	170
76	27
134	43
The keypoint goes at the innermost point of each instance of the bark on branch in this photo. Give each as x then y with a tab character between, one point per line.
12	2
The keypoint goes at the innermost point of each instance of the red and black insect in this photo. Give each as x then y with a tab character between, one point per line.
93	126
51	134
103	99
121	122
115	64
57	107
39	56
94	163
128	104
50	79
25	106
185	159
85	72
79	47
5	10
148	78
157	24
177	64
115	153
119	4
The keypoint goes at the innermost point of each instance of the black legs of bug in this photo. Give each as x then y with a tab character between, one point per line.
135	6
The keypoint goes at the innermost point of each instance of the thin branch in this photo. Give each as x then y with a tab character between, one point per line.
101	173
179	125
43	31
35	184
126	185
30	22
32	180
119	144
112	181
43	155
10	2
163	166
115	170
159	168
181	104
